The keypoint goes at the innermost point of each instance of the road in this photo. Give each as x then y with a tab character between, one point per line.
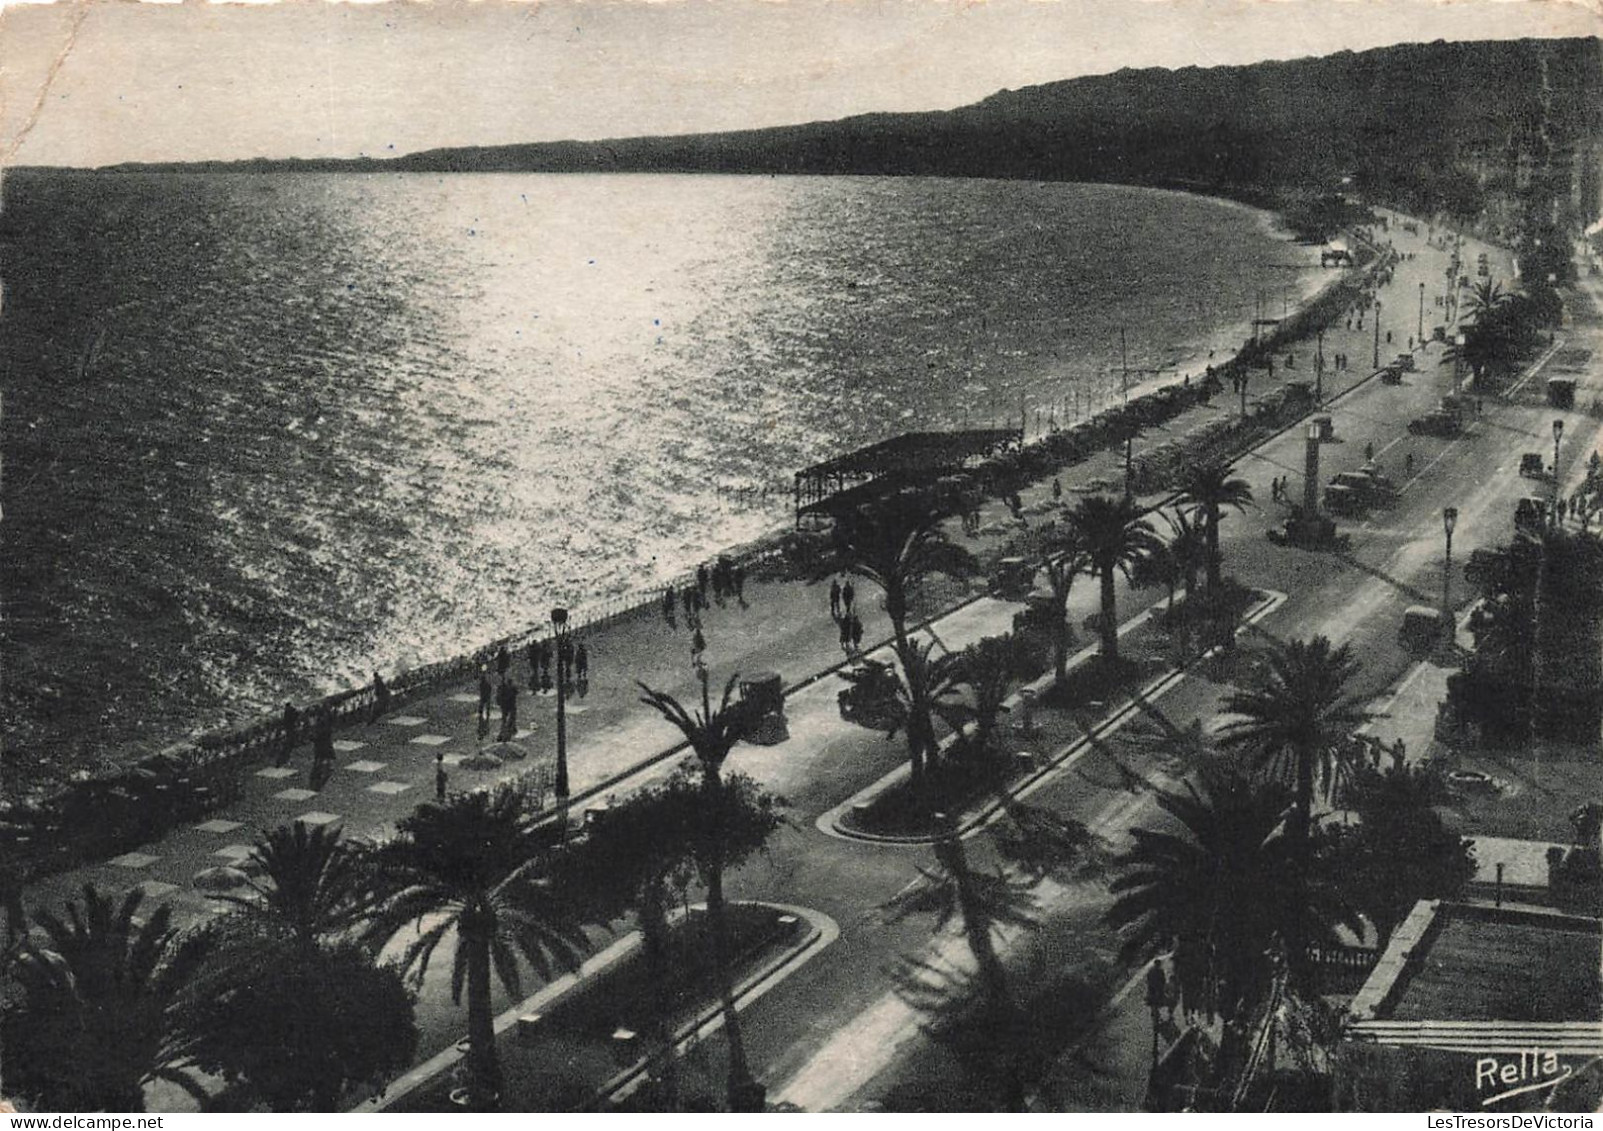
840	1034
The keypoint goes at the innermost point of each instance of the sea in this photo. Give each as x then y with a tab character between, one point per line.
263	434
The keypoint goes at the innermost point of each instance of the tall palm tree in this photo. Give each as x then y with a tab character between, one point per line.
474	863
988	668
1224	892
1112	533
288	1008
925	686
307	882
1296	719
1488	349
644	853
712	734
1486	300
1187	547
1062	560
1194	889
895	544
1209	487
99	989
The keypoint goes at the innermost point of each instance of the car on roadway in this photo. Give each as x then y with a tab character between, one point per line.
1436	423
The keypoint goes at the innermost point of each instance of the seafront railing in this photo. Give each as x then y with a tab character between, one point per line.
97	816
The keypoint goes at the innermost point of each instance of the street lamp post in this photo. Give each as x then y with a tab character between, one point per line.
1420	338
1377	333
1449	520
559	630
1558	434
1458	357
1319	368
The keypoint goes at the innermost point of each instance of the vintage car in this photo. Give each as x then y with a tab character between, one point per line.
869	700
1436	423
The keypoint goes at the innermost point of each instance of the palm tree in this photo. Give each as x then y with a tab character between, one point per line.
307	882
1210	488
896	544
474	863
288	1006
1224	893
988	668
712	734
95	1021
1112	534
646	851
1062	559
1296	720
924	687
1486	300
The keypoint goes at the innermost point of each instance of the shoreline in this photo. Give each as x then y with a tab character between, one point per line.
209	774
417	677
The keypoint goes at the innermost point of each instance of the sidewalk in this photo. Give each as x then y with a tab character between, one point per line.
384	769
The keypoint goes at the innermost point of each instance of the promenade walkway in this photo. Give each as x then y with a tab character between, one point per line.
386	768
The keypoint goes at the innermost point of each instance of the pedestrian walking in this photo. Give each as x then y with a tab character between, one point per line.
1408	464
857	633
534	666
323	737
834	598
581	662
503	661
485	691
740	584
507	700
847	596
381	698
1369	452
846	635
291	726
1057	484
439	775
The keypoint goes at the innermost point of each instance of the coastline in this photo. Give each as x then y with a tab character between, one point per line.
216	748
1227	338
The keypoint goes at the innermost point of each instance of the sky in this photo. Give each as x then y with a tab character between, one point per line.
98	83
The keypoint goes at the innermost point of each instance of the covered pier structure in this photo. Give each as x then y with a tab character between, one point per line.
847	481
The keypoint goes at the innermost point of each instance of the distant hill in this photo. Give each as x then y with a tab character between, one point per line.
1418	124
